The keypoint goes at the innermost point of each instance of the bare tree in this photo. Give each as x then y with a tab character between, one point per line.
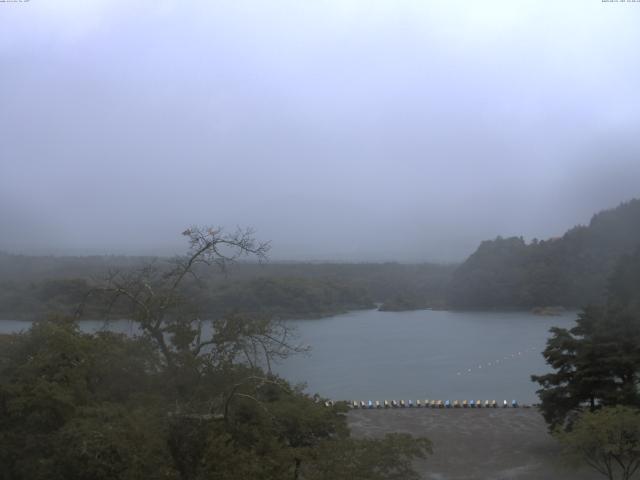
153	296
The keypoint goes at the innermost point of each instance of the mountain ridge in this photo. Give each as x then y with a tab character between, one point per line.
570	270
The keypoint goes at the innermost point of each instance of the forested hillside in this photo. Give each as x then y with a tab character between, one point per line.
597	361
186	399
31	287
570	271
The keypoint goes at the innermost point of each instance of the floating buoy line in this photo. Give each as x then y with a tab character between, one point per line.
495	363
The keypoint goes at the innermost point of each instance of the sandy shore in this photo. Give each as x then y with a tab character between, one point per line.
475	444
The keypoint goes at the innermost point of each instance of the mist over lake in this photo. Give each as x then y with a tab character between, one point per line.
423	354
217	215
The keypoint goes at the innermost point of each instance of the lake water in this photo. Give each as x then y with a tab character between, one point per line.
372	355
423	354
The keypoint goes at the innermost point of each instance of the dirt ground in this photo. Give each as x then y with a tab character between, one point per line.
475	444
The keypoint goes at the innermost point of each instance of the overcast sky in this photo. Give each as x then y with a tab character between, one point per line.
338	129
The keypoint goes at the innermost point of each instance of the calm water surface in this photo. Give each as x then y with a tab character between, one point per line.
409	355
423	354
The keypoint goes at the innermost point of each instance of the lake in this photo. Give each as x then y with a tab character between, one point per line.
423	354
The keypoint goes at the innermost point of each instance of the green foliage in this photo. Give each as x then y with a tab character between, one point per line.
368	459
74	405
109	441
597	362
32	287
608	440
285	297
571	271
186	399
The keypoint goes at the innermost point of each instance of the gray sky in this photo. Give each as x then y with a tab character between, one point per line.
338	129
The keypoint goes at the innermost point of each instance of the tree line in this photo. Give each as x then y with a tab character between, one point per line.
31	287
186	399
591	399
569	271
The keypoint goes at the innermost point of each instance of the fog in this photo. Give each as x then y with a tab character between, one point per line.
338	129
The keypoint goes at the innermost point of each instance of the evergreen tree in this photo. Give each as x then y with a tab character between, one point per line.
596	363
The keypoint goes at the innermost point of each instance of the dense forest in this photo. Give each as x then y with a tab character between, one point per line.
178	401
597	361
31	287
570	271
590	399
